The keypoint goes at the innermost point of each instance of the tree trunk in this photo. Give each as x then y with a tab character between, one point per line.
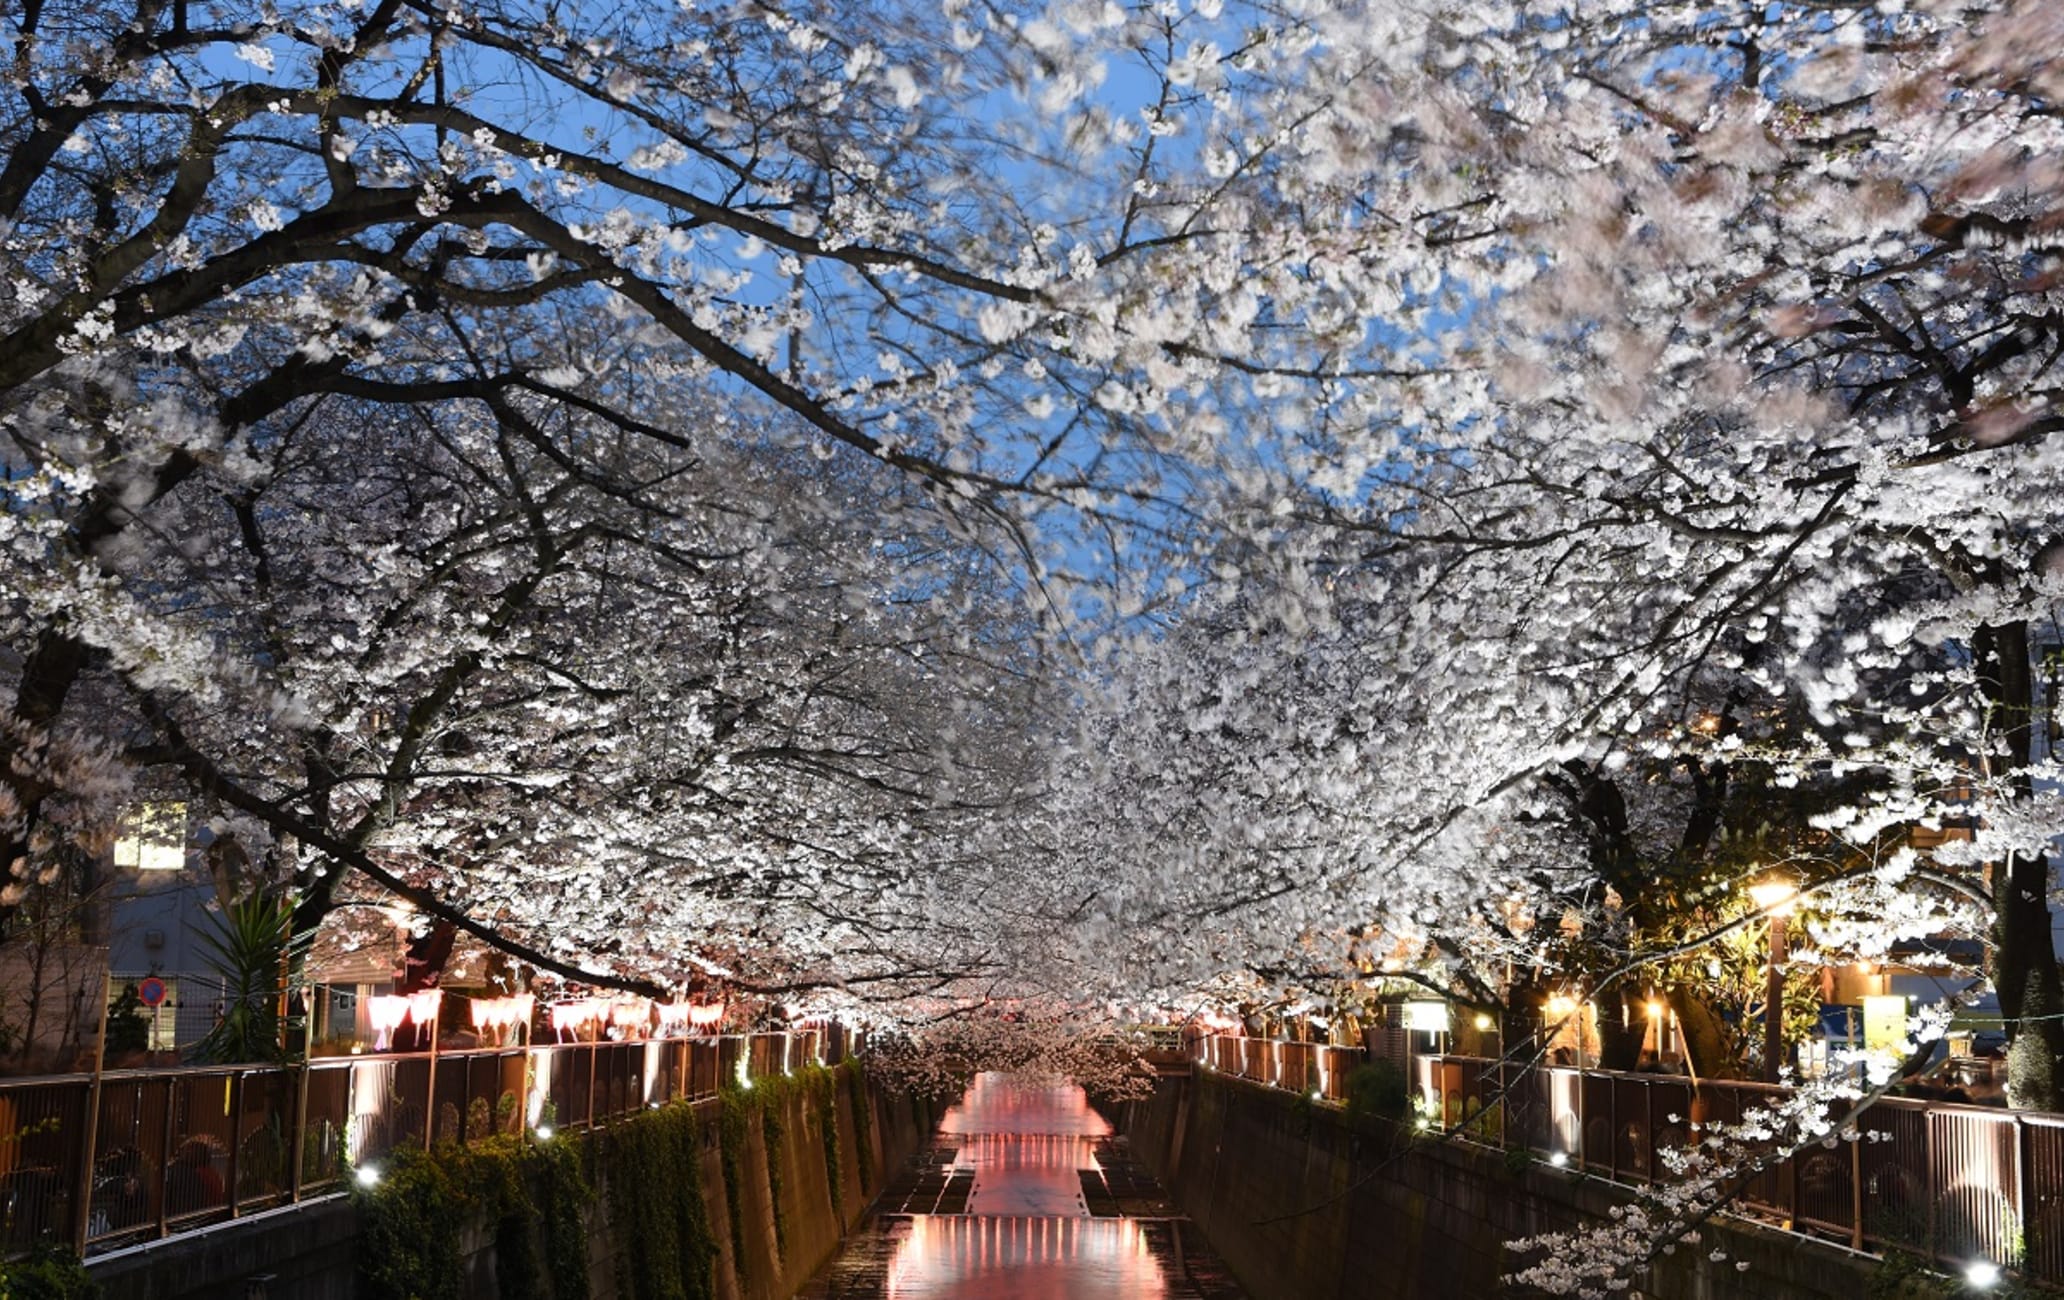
2024	959
1707	1047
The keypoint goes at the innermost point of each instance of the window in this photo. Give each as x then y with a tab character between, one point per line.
152	837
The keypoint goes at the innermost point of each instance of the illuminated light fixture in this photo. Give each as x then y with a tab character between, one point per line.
705	1015
425	1005
1483	1022
500	1015
368	1175
544	1132
1774	896
1426	1017
152	837
1560	1005
385	1013
1559	1159
673	1018
1982	1274
578	1016
1655	1009
631	1016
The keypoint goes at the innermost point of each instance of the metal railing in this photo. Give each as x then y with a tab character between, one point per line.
1311	1068
1953	1183
98	1163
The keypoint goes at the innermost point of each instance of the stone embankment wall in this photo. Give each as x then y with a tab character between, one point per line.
317	1251
1305	1204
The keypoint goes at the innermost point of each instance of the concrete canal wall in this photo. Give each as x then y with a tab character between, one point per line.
771	1152
1305	1204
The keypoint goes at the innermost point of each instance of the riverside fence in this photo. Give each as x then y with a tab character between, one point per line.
1949	1182
132	1155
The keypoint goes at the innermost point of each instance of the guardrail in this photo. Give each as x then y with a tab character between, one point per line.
1954	1183
1312	1068
1948	1182
140	1154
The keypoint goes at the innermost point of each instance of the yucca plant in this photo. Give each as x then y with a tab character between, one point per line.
248	941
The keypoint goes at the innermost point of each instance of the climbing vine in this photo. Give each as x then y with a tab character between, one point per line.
532	1193
773	1127
659	1222
827	1120
863	1123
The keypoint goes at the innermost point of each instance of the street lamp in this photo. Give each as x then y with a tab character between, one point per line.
1774	897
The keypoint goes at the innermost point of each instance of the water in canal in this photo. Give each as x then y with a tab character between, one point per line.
1025	1195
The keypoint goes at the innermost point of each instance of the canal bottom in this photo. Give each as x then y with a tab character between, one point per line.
1025	1194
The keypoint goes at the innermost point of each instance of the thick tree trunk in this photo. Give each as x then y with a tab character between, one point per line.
1706	1042
2024	958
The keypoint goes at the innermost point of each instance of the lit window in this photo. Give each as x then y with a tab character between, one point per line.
152	838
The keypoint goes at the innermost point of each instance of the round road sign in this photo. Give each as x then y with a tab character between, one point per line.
151	990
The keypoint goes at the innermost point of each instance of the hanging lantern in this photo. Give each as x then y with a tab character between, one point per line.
386	1014
705	1015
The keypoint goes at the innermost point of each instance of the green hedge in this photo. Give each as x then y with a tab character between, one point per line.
49	1273
532	1192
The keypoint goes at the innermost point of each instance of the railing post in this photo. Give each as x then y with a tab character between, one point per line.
1654	1163
1856	1188
594	1051
430	1089
299	1146
2021	1215
1612	1127
82	1213
1583	1142
236	1142
1928	1153
165	1157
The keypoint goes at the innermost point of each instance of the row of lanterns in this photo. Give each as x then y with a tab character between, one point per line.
579	1018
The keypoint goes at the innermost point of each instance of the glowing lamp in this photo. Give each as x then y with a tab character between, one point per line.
424	1006
386	1014
1774	896
368	1175
704	1015
1982	1274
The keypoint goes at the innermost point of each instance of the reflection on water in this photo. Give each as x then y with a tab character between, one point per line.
1020	1258
1027	1234
999	1103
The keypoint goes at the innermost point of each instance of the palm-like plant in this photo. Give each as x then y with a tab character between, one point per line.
249	941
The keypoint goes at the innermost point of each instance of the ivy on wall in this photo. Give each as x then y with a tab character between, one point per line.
532	1194
659	1224
863	1122
534	1198
767	1101
827	1121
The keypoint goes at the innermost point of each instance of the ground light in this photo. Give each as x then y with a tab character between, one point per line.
368	1175
1982	1274
544	1132
1559	1159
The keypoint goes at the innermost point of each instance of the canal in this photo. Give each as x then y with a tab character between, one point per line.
1025	1194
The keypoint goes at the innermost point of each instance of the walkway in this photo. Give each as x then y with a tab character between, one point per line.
1026	1195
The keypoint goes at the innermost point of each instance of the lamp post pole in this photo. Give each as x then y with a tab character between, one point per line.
1773	1001
1775	897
